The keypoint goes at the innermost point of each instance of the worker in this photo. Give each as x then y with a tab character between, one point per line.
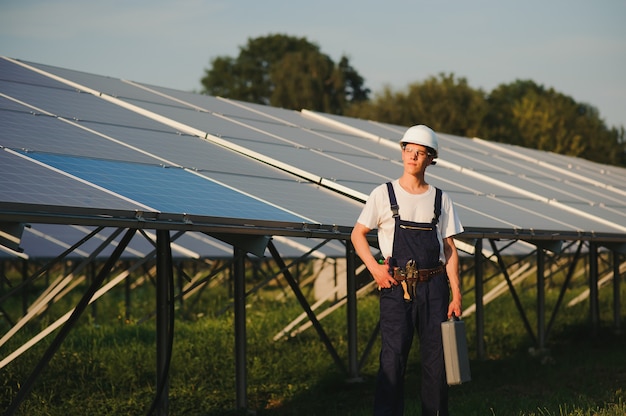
416	275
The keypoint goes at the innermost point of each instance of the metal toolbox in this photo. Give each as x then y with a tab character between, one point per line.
455	351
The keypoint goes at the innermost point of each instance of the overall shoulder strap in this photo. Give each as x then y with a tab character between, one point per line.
392	200
437	205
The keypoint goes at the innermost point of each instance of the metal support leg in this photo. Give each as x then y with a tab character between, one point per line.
353	365
25	290
594	308
480	308
541	300
240	328
127	300
164	281
616	294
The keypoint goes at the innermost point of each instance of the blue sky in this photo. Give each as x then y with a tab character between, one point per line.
577	47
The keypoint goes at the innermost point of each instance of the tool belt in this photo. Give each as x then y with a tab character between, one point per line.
412	274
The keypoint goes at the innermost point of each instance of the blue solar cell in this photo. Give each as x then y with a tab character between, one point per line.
22	181
167	189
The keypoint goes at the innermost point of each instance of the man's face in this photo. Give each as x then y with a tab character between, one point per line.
415	157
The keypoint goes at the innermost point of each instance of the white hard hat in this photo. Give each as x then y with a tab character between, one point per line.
423	135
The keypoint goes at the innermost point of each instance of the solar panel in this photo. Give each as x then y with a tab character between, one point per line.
22	130
147	141
165	188
75	140
25	182
319	166
494	171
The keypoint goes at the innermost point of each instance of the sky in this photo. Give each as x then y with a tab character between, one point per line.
576	47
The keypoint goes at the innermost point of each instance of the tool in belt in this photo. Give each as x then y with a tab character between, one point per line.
410	276
411	273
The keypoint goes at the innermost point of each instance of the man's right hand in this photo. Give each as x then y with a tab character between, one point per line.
382	274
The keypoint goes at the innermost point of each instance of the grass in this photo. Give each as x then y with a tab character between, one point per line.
107	366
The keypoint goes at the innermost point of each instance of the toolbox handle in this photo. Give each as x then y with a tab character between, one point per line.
454	318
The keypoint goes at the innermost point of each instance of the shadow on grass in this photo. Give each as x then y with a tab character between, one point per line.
580	373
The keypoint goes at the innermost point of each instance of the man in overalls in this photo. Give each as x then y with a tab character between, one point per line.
416	223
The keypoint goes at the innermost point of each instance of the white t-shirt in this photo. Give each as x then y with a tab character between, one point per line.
412	207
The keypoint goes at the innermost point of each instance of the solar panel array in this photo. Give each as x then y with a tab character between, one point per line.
76	140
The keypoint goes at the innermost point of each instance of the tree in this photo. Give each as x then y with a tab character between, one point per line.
285	71
290	72
499	122
531	115
305	80
444	103
521	113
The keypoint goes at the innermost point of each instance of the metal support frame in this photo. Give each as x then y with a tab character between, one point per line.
616	293
594	305
165	314
240	295
305	305
4	280
23	285
542	331
76	314
351	303
294	263
541	299
480	307
568	279
164	320
27	280
518	303
239	277
127	306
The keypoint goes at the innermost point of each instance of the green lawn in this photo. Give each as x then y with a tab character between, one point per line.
107	366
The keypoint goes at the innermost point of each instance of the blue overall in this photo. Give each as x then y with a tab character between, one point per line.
425	312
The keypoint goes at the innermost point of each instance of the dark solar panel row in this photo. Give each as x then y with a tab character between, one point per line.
124	145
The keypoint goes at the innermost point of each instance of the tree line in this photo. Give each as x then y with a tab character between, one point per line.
293	73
